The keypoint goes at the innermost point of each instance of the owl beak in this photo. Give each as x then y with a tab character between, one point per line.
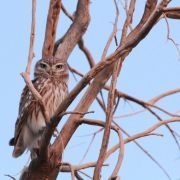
50	72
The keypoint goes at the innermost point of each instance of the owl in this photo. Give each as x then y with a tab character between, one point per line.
50	80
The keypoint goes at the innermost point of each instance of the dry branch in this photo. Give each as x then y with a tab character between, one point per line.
51	26
147	153
120	157
65	168
173	13
147	107
80	43
128	21
162	95
112	35
143	134
75	32
130	138
151	102
32	37
26	74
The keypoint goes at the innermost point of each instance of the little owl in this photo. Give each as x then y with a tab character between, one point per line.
50	80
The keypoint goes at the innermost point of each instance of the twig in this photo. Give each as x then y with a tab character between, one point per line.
168	35
36	95
128	21
75	71
95	122
116	128
11	177
78	176
64	167
90	134
116	106
113	33
76	112
150	102
101	103
145	151
26	74
146	105
32	37
85	174
67	13
89	146
87	53
143	134
120	157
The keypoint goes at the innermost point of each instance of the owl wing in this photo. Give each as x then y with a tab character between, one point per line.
27	102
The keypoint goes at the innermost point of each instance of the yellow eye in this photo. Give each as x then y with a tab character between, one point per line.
59	66
43	66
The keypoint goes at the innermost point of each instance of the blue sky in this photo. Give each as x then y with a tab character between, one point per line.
153	67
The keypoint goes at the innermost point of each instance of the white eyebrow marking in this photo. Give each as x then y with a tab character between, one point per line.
59	64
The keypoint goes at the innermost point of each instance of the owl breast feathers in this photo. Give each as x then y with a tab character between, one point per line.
51	76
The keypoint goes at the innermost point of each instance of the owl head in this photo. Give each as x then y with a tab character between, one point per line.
51	67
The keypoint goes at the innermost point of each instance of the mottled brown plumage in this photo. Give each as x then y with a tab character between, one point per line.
50	80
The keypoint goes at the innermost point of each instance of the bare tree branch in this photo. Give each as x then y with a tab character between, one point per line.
11	177
51	26
66	168
150	102
120	157
75	32
26	74
146	152
173	13
113	33
32	36
144	133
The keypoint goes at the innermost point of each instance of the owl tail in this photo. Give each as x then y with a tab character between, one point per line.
19	146
18	151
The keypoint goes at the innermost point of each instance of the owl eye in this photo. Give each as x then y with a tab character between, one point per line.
59	66
43	66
